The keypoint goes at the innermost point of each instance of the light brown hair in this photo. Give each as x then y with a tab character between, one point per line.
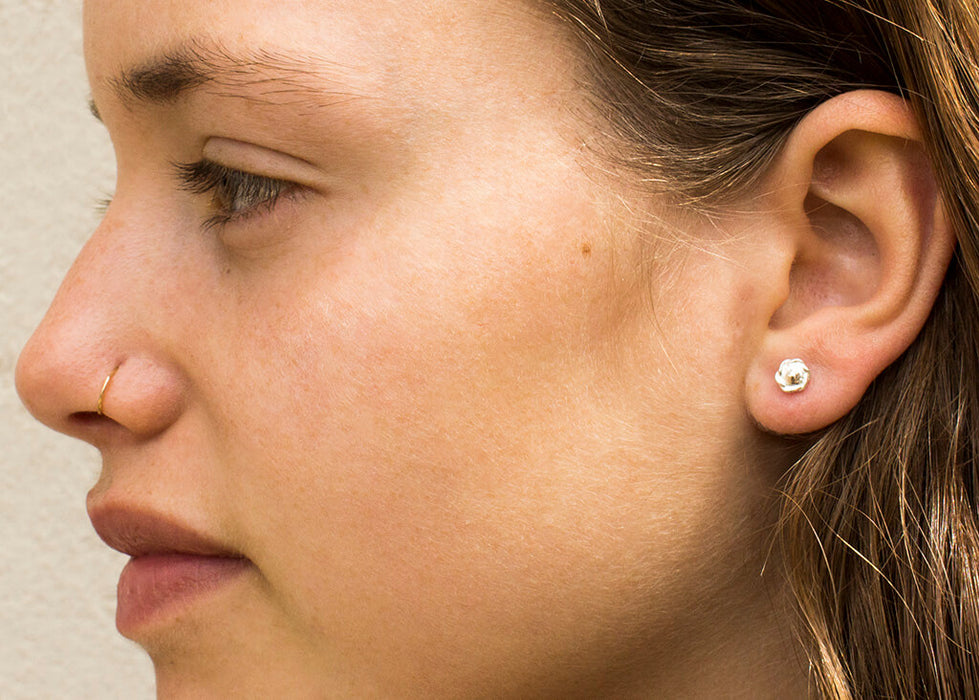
879	527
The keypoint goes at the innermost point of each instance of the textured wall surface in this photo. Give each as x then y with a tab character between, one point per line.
57	580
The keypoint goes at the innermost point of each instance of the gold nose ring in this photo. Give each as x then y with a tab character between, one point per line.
105	386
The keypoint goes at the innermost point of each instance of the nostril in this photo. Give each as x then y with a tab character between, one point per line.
85	419
140	394
91	427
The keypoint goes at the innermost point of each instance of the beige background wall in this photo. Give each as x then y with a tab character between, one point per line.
57	580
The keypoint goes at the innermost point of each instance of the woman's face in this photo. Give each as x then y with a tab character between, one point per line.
411	367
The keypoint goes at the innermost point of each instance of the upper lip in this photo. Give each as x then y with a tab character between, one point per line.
139	532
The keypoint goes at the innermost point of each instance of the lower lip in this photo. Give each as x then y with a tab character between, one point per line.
154	584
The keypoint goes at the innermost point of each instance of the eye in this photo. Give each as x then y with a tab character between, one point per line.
235	194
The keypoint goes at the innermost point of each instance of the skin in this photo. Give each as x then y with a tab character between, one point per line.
474	437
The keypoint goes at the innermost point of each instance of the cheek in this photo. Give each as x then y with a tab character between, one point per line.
438	433
422	411
420	349
400	332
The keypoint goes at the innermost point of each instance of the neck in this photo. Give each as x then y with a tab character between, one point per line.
749	650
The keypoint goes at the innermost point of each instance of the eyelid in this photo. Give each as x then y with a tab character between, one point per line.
252	158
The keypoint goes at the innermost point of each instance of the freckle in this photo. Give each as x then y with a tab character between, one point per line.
586	249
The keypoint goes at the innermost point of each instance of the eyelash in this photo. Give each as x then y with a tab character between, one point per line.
235	194
102	205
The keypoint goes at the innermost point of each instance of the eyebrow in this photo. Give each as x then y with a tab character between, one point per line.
279	77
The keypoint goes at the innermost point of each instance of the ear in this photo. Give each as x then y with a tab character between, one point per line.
864	247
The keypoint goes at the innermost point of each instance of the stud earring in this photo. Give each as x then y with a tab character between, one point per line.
792	376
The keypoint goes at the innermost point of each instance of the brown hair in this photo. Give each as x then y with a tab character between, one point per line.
879	527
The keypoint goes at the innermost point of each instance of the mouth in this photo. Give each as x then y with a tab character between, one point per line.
171	566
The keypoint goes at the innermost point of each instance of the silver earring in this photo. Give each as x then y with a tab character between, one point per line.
792	376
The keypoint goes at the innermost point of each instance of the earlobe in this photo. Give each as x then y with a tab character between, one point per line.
855	194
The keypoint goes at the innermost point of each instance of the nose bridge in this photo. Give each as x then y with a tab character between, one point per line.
98	324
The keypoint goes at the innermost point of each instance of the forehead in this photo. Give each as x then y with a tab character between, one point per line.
428	64
122	37
381	40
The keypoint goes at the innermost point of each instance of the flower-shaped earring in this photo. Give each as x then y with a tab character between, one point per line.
792	376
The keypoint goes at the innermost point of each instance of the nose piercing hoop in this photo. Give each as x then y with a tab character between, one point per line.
105	386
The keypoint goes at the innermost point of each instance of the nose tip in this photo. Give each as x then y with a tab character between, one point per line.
89	332
55	375
75	394
63	390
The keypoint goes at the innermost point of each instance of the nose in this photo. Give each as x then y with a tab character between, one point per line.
94	329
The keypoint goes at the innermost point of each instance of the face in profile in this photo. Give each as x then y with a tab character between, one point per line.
398	399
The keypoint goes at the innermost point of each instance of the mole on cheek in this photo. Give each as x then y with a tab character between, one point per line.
586	249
